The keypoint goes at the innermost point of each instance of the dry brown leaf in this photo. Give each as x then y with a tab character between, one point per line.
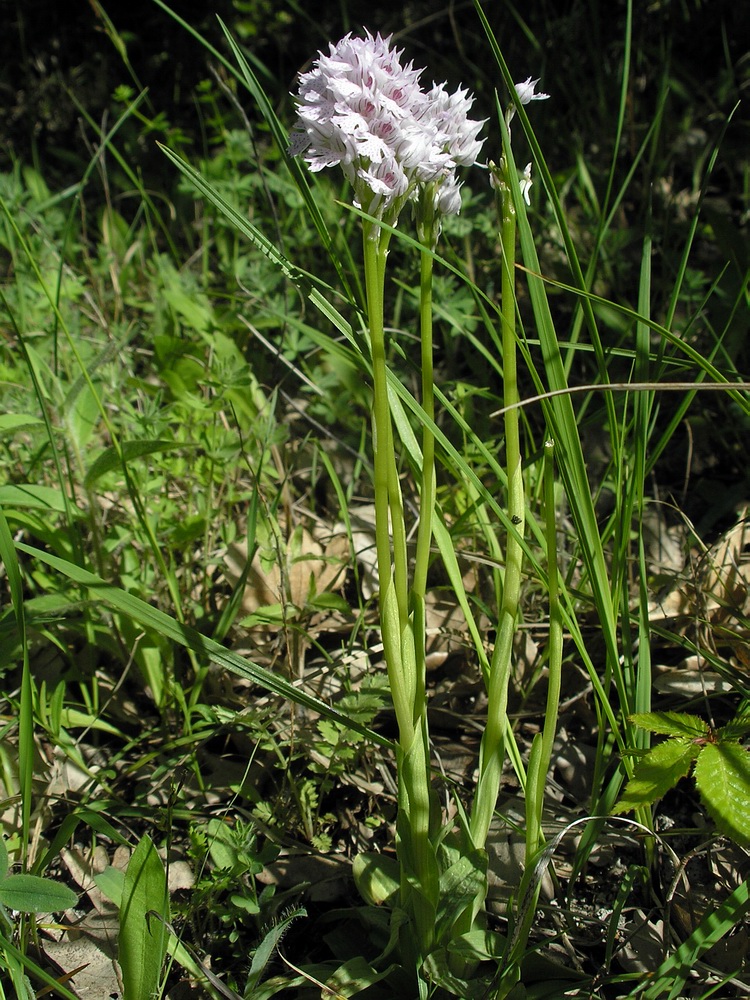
309	569
362	525
712	608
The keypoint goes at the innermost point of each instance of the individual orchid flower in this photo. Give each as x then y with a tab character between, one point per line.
526	91
526	183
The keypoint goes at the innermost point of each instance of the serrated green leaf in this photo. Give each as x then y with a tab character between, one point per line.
672	723
657	772
34	894
722	774
268	946
142	941
735	729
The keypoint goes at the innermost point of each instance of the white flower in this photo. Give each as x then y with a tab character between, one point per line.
448	197
526	183
386	180
458	133
526	91
361	109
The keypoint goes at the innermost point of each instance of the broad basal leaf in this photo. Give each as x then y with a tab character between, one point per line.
34	894
144	910
459	887
377	877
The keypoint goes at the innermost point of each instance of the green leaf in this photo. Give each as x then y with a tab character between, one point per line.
330	602
459	887
200	644
268	946
240	222
268	614
734	730
113	458
722	774
82	415
478	945
672	723
34	894
438	969
657	772
111	882
28	495
3	859
222	844
376	877
12	422
142	942
73	718
716	924
352	978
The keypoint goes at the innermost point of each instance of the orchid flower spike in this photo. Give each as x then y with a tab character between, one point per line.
361	109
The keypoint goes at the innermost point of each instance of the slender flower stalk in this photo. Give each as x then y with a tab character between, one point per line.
428	215
361	109
492	750
541	747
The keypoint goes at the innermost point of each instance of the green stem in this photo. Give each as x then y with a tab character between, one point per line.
403	655
427	494
492	748
390	534
541	748
555	643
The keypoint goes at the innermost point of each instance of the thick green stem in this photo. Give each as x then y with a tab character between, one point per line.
403	655
390	536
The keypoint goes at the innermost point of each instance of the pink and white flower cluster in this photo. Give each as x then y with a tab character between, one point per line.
361	109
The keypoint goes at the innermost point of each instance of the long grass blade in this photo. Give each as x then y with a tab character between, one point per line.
197	643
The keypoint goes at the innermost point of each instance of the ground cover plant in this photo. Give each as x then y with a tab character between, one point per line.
374	572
